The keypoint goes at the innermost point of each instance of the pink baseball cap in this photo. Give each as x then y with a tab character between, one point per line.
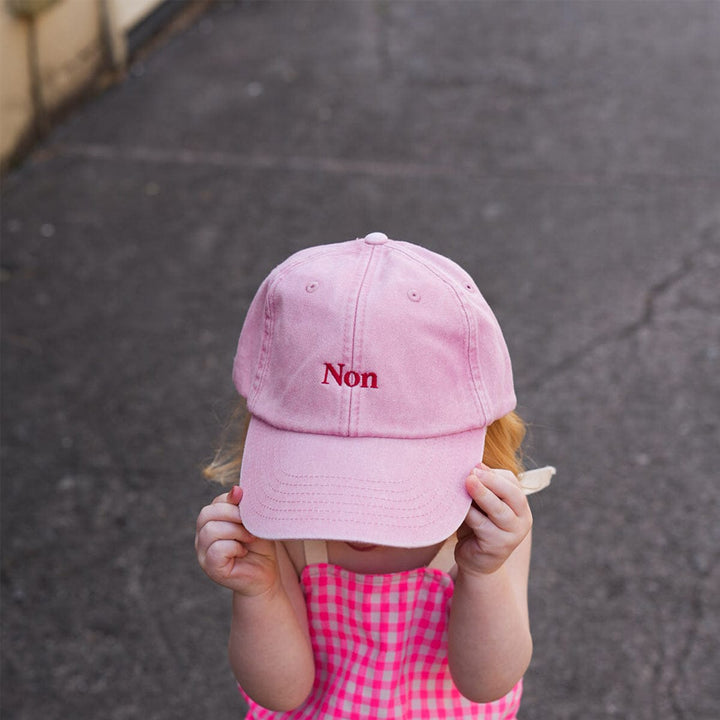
372	369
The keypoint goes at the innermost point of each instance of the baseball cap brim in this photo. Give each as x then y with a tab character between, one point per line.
386	491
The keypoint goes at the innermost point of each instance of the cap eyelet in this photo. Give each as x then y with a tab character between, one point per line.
470	287
414	295
311	287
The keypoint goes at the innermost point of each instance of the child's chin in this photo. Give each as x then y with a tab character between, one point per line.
361	546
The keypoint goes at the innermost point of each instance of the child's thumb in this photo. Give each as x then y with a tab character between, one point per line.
235	495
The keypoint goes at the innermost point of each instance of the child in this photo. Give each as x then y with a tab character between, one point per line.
379	568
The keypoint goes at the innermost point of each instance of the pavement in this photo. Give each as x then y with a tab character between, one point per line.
566	153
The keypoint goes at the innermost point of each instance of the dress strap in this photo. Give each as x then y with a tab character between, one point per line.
315	552
533	481
445	558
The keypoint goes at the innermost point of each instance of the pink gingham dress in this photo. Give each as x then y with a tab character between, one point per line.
380	650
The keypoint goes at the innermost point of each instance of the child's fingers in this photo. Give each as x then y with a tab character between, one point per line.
220	557
476	523
215	531
233	496
218	511
487	501
227	548
219	552
224	530
495	500
506	486
220	520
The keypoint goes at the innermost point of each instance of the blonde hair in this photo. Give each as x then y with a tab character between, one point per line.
503	446
224	468
503	443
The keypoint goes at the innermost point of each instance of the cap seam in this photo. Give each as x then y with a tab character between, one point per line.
477	377
358	325
279	272
272	500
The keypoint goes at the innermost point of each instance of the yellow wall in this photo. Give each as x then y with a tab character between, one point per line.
69	48
50	50
15	95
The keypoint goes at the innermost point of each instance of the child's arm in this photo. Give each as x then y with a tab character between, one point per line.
269	647
489	635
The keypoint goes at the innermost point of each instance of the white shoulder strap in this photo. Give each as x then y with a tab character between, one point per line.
315	552
533	481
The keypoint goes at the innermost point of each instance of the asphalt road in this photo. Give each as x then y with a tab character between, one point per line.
566	153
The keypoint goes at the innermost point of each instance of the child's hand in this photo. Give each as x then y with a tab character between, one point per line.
228	553
496	523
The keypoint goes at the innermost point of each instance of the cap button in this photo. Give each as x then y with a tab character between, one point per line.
376	238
